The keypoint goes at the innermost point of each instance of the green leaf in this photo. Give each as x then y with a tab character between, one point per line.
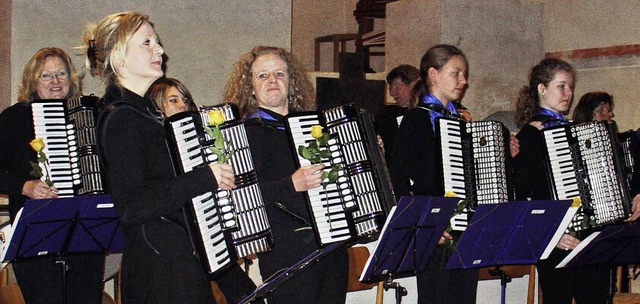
333	175
322	141
324	153
313	145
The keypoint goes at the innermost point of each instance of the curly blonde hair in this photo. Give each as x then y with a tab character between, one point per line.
239	88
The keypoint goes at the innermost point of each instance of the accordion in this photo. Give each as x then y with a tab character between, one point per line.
626	140
476	163
225	225
584	161
67	127
356	205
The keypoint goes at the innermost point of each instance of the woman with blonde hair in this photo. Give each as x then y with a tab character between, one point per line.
49	74
159	264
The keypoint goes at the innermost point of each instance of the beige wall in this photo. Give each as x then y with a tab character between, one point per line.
500	38
588	24
203	38
5	53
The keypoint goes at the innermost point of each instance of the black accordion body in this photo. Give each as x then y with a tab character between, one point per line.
67	127
585	161
476	163
225	225
356	205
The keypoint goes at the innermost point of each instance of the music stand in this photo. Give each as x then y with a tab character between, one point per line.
511	233
615	245
283	276
82	224
410	234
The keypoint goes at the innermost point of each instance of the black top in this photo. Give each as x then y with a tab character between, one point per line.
158	262
417	157
16	131
387	126
274	163
530	177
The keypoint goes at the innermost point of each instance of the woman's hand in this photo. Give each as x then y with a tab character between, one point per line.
567	242
224	175
635	208
445	236
514	145
307	177
37	189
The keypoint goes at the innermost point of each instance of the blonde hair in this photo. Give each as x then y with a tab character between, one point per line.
239	88
106	43
28	89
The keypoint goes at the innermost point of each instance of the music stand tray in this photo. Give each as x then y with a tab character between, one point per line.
82	224
520	232
614	245
409	236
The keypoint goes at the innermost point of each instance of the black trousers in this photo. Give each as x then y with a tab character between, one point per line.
437	285
40	279
586	284
324	282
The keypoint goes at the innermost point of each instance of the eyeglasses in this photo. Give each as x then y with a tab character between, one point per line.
46	77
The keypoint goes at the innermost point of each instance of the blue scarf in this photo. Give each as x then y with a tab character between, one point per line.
437	109
554	118
263	115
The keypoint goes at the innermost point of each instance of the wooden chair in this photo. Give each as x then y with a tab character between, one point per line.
9	292
357	259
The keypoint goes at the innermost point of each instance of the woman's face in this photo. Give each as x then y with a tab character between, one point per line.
143	58
558	94
53	82
271	83
450	81
174	102
603	112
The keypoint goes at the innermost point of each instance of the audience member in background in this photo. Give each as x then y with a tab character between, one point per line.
401	81
49	74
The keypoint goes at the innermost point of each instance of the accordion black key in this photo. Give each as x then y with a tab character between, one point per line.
356	205
584	161
67	127
225	225
476	163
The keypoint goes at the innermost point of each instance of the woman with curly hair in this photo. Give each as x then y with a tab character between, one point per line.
267	84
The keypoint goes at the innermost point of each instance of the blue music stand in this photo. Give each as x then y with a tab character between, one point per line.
614	245
74	225
511	233
409	236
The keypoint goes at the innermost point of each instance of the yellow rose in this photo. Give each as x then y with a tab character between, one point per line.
450	194
216	117
576	202
37	144
316	131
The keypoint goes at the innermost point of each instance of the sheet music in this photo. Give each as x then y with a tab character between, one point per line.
8	235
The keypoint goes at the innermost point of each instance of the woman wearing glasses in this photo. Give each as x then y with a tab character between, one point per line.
49	74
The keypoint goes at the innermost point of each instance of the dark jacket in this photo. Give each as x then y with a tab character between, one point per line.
158	263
